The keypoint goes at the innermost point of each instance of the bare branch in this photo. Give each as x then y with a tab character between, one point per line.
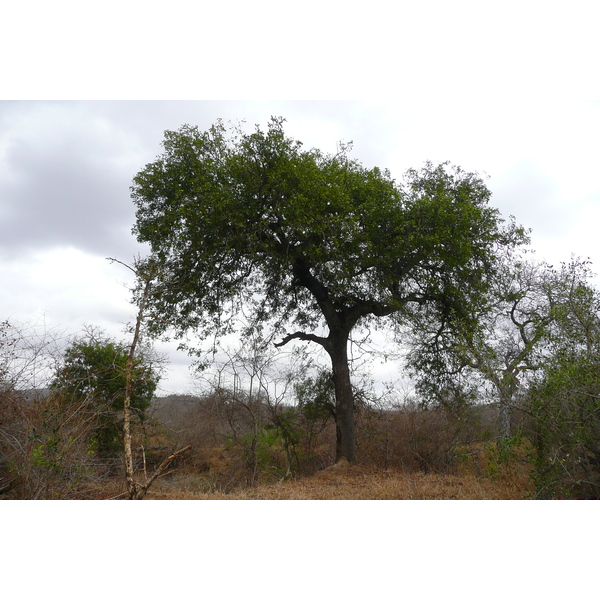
305	337
159	470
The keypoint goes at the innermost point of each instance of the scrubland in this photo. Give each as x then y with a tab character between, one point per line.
405	454
355	482
284	454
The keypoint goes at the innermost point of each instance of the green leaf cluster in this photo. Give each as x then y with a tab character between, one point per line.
93	376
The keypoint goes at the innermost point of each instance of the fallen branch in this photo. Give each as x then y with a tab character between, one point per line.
142	489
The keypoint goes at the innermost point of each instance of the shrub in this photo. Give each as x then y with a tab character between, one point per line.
565	428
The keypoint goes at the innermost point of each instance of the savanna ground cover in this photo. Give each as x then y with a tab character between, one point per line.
243	450
352	482
357	482
406	456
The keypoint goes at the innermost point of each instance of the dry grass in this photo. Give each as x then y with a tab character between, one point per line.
354	482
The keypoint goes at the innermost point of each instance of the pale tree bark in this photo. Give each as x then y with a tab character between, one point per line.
136	490
132	486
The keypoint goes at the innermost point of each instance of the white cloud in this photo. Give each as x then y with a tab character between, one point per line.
69	287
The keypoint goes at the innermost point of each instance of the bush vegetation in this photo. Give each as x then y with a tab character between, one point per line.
61	412
245	438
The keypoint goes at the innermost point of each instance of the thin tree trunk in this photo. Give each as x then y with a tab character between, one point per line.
132	486
507	389
504	420
136	490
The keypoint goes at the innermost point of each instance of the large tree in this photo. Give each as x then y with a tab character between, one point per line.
256	223
516	328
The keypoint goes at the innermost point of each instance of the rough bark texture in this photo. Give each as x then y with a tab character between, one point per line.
344	403
504	420
507	389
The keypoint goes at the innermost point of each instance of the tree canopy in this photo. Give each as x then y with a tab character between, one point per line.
294	237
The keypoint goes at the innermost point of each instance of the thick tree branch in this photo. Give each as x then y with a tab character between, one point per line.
305	337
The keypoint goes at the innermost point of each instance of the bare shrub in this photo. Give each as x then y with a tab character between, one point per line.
48	451
46	437
413	439
240	440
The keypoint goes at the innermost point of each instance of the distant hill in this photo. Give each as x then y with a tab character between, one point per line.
175	410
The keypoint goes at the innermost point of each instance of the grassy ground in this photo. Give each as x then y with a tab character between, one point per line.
354	483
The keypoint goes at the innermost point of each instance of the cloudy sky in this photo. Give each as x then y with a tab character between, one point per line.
66	168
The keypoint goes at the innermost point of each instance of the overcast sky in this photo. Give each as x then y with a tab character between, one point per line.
66	168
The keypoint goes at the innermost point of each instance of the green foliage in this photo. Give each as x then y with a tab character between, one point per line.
271	450
531	310
254	217
564	402
93	377
566	407
502	456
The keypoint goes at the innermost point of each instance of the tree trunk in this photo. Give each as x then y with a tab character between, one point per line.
132	486
344	401
504	419
131	483
506	389
135	490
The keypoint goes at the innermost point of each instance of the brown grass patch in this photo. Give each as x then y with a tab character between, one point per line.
354	482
